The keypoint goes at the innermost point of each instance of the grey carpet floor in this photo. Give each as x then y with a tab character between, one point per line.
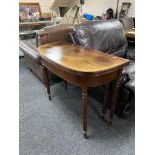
55	127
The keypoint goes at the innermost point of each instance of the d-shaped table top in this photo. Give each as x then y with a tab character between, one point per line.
80	59
83	67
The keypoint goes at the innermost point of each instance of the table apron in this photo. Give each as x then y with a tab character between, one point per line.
80	80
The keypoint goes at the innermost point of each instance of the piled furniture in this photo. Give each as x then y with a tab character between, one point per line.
107	37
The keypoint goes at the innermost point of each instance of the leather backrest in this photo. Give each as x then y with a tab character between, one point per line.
57	33
107	36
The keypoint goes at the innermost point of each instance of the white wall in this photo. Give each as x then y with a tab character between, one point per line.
97	7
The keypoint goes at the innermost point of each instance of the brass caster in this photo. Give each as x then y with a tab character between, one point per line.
85	135
49	97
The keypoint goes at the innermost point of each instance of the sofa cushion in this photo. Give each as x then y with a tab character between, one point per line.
29	48
103	36
57	33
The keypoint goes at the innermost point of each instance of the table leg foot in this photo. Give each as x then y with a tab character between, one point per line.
49	97
47	81
102	116
110	123
85	135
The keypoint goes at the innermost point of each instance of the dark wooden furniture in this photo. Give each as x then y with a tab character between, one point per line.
83	67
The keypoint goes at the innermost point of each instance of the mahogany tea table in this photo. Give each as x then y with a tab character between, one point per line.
83	67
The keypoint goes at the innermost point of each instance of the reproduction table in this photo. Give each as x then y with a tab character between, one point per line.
83	67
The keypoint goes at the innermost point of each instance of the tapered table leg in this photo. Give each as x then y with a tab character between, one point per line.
114	100
47	81
85	110
105	101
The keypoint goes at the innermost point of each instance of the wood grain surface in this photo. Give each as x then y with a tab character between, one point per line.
83	67
80	59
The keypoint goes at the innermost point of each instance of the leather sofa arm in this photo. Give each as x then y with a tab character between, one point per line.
30	49
57	33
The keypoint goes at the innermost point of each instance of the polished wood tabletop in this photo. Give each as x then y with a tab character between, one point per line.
80	59
83	67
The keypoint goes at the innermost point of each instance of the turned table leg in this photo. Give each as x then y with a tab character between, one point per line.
115	95
85	110
47	81
105	101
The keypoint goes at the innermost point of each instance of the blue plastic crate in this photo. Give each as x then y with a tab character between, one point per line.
88	16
